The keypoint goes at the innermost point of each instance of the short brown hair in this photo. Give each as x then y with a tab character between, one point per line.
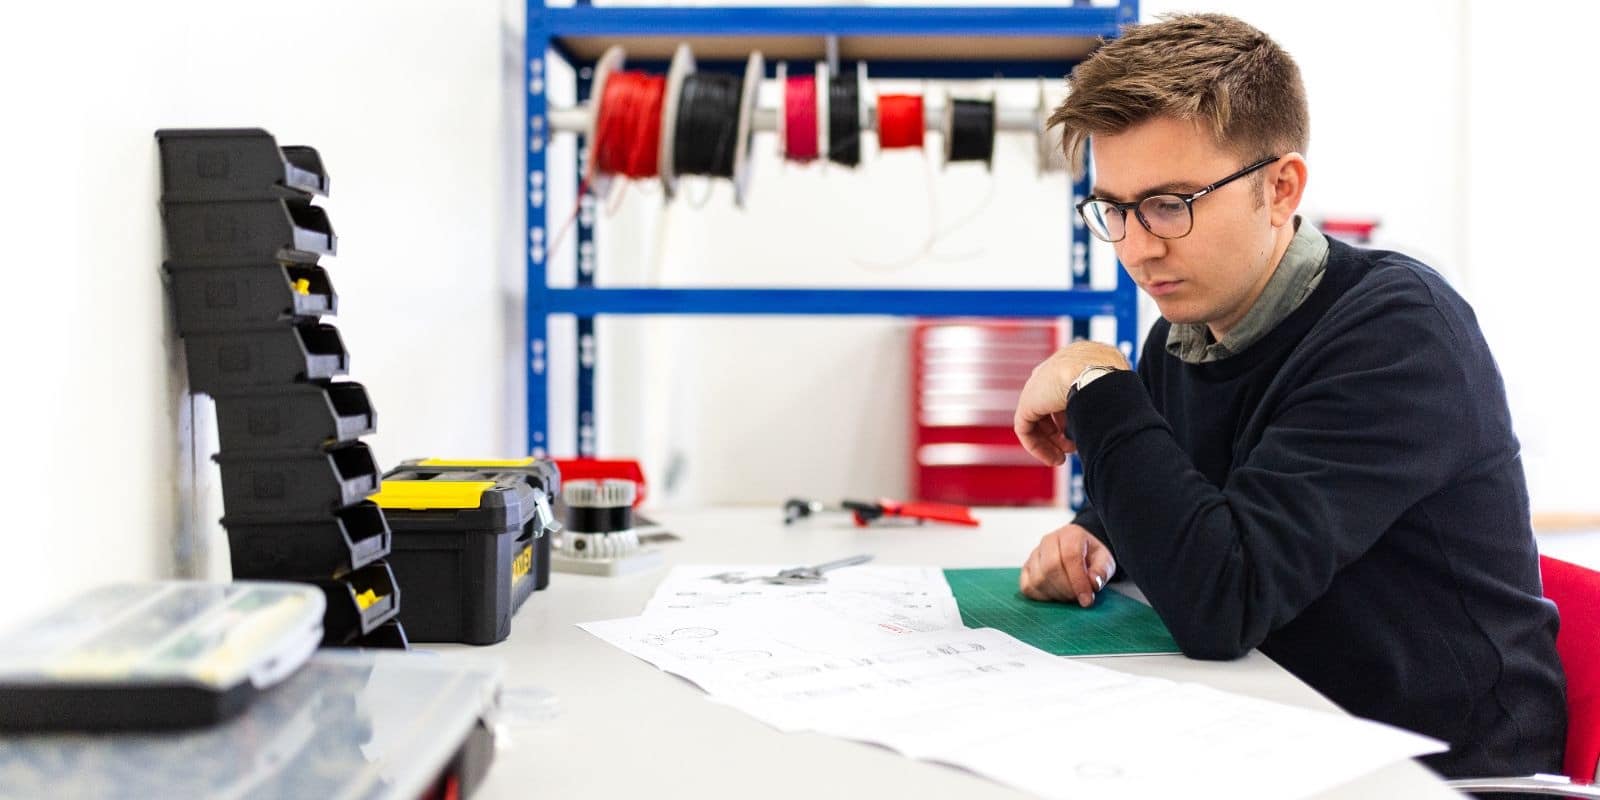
1206	67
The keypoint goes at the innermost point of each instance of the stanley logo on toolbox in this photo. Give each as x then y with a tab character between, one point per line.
523	564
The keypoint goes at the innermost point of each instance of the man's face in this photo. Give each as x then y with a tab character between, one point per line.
1215	273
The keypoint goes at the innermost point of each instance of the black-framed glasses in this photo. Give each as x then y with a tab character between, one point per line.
1169	215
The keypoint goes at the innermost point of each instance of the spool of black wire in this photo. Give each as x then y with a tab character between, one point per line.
969	135
844	120
707	128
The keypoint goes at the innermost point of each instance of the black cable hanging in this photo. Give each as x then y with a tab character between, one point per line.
708	124
971	130
844	120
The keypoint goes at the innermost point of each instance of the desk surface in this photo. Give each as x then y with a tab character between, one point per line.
587	720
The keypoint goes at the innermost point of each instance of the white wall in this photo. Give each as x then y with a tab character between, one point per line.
1532	269
403	99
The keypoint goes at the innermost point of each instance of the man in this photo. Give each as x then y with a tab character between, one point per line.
1315	457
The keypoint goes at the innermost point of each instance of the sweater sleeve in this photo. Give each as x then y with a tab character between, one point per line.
1377	419
1090	521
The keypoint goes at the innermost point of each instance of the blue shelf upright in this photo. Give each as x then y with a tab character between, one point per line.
536	319
587	353
981	42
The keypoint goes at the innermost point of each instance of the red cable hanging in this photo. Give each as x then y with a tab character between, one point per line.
800	118
628	130
900	120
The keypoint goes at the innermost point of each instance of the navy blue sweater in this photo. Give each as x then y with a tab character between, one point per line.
1346	495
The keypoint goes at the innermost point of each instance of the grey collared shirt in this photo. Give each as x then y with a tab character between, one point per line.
1297	275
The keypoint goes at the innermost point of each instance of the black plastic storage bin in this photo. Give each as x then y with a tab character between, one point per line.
390	635
288	485
262	295
210	164
299	416
245	232
323	546
541	473
358	603
463	551
307	351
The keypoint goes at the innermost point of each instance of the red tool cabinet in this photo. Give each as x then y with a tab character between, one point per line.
966	375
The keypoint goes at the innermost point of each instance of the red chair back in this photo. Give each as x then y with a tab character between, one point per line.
1576	592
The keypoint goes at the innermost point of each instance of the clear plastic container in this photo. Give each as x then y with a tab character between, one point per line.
349	724
155	655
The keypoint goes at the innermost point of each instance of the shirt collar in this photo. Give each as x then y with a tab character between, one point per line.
1298	273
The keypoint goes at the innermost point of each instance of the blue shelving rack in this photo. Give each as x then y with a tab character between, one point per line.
974	42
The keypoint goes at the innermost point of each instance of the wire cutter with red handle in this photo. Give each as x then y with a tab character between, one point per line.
866	512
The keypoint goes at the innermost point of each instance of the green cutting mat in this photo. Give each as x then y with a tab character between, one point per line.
1114	625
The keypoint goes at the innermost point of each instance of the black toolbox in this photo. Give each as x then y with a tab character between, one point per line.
462	549
291	484
254	296
243	360
317	546
540	473
296	416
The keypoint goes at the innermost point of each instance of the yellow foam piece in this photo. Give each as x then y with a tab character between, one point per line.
367	599
303	286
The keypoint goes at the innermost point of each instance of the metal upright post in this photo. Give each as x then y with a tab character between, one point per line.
536	133
1082	279
588	353
1127	305
1081	265
1126	295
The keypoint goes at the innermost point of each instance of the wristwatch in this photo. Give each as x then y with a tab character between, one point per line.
1086	377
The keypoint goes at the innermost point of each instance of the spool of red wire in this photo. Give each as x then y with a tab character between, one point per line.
900	120
628	130
800	117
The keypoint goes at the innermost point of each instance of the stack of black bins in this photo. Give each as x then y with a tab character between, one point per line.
243	241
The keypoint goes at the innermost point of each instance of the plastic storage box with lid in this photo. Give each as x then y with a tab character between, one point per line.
348	724
462	551
541	473
155	655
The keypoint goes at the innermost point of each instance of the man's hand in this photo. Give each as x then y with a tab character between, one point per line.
1069	564
1040	421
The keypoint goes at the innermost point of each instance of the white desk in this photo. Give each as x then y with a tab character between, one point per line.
617	727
